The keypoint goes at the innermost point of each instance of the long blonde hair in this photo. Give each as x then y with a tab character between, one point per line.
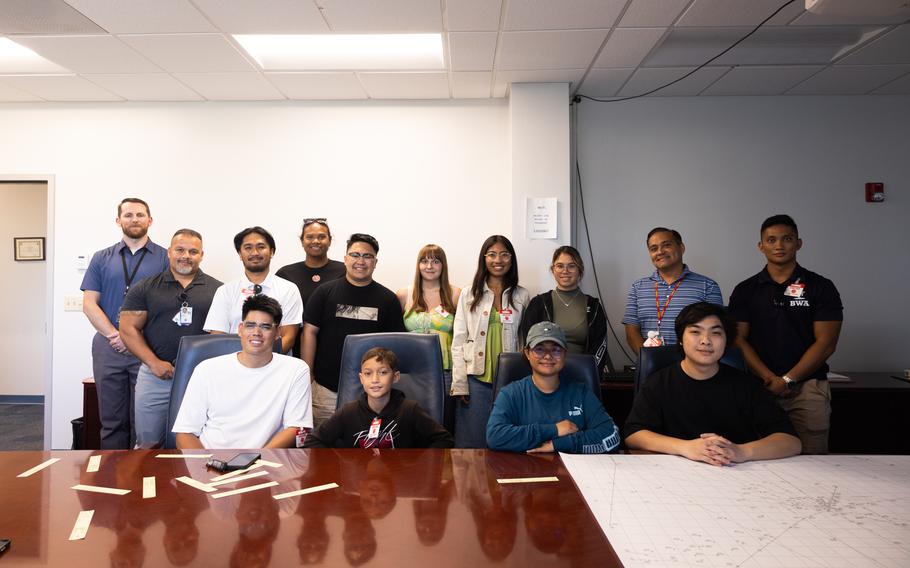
418	301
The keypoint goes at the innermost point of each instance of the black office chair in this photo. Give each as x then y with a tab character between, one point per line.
419	360
579	368
653	359
194	349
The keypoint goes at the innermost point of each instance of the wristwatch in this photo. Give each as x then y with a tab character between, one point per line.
791	384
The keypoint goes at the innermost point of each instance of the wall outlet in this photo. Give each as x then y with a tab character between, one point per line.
72	303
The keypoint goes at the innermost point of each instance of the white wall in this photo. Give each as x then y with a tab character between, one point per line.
23	213
715	168
408	173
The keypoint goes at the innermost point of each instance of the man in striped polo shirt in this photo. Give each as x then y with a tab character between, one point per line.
654	301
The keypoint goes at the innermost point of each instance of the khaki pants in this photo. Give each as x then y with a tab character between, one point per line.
324	402
810	413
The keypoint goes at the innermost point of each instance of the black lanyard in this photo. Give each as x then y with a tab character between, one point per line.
126	275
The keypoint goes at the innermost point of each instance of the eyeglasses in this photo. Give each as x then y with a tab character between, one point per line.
311	220
364	255
556	352
493	255
251	325
571	267
428	261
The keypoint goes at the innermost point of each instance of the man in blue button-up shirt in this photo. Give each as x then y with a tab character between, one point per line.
110	274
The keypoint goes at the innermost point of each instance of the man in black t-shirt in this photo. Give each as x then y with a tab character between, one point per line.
316	268
705	411
788	321
351	305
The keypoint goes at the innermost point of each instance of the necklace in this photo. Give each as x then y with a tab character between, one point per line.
574	293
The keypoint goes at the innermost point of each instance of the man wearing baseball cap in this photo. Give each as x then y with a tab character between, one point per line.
542	414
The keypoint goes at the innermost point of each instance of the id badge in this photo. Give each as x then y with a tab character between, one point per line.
374	429
300	438
184	316
506	316
442	311
795	290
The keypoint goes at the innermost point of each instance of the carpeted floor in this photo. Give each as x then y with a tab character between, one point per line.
21	426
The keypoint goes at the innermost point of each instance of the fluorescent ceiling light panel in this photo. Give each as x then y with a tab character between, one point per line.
336	52
15	58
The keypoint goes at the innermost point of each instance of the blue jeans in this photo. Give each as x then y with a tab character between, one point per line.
471	419
153	398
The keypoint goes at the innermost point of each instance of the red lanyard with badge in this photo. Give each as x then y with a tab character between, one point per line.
657	340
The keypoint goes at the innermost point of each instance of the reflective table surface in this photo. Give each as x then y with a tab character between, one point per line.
392	508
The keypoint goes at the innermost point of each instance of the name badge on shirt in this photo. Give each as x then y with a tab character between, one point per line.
442	311
374	428
184	316
795	290
506	316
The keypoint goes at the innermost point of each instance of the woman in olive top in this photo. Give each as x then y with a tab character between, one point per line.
581	316
486	324
429	307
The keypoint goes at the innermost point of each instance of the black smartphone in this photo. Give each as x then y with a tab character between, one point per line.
240	461
4	544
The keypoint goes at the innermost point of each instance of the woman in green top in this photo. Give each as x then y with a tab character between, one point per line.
429	307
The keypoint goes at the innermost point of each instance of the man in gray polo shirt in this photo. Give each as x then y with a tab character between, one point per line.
156	313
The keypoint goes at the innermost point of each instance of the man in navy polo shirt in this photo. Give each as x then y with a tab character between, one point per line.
655	301
788	321
110	274
156	313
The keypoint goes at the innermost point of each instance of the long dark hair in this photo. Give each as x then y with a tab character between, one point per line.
510	280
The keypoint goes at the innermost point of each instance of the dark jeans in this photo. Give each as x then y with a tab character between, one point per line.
471	419
115	380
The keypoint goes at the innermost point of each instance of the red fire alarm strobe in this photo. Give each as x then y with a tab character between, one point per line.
875	192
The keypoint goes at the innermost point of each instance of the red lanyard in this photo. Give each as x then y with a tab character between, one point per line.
661	312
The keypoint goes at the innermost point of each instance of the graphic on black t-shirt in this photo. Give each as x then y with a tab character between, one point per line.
385	439
364	313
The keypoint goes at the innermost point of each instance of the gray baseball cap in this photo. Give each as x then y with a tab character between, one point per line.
546	331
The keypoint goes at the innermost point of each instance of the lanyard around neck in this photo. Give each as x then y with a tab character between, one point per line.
127	276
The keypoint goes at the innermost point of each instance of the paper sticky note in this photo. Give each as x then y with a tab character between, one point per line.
94	463
148	488
39	467
83	520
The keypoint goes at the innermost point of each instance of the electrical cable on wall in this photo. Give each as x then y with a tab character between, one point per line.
578	97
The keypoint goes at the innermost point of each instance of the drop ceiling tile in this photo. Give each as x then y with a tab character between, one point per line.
60	87
89	54
873	12
761	80
471	84
231	86
549	49
318	86
473	15
899	86
406	85
472	51
189	53
643	80
19	59
10	94
888	48
561	14
627	47
44	17
145	87
387	16
651	13
264	16
734	12
504	79
144	16
849	79
604	82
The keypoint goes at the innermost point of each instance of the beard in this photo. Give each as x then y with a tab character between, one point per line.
256	268
134	232
184	269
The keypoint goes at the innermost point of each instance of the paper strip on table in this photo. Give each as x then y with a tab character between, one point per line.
148	488
196	484
94	463
528	480
306	491
97	489
83	520
245	490
39	467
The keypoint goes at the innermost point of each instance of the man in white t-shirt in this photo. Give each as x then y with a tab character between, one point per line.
250	399
256	247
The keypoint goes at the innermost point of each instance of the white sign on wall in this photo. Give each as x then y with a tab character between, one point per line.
541	218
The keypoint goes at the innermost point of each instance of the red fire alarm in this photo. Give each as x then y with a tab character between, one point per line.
875	192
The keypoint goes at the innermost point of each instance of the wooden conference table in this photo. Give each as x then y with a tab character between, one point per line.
400	507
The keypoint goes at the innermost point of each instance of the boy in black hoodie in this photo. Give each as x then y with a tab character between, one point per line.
381	417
